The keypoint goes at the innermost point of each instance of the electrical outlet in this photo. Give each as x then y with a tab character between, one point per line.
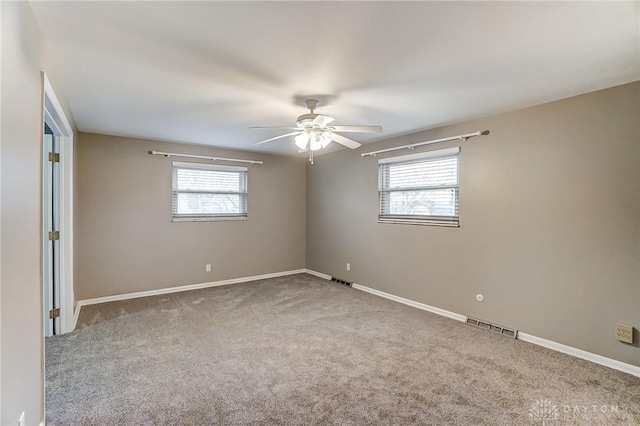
207	267
348	266
22	421
624	333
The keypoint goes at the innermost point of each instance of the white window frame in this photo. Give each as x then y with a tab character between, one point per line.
432	220
243	192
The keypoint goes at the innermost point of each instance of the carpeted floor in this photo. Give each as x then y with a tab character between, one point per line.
302	350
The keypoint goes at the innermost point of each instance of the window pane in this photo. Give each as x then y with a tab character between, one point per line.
208	180
433	202
209	204
425	173
420	189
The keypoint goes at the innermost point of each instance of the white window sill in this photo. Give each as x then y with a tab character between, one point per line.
208	219
421	222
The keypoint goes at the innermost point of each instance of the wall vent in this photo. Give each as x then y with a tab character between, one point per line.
493	327
339	281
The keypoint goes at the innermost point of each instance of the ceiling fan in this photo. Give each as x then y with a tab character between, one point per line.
313	131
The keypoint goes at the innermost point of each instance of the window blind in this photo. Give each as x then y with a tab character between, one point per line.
208	192
420	188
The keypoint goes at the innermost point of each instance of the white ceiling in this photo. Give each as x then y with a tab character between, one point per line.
203	72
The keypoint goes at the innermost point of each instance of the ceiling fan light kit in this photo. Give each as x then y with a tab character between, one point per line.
315	139
314	132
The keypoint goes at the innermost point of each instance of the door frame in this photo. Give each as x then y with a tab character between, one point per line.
56	119
49	279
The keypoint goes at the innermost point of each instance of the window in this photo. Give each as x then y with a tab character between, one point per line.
420	188
203	192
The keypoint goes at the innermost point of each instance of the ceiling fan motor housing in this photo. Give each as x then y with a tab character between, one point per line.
306	119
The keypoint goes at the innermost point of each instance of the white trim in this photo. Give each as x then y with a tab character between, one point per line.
318	274
579	353
1	201
48	206
183	219
76	314
422	221
66	232
410	302
427	154
178	289
55	110
395	298
56	118
549	344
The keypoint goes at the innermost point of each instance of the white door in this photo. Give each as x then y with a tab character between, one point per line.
50	243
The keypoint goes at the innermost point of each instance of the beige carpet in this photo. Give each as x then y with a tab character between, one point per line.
302	350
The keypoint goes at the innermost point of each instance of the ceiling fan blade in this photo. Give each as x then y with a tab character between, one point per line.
276	127
358	129
349	143
277	137
322	120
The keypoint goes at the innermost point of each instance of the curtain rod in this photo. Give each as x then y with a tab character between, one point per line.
413	145
173	154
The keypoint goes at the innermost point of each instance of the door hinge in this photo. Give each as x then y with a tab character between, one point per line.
54	157
54	235
54	313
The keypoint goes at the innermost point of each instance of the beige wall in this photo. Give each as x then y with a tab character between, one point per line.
127	242
549	214
21	354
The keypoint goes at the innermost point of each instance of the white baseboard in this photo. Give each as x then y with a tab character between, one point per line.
318	274
579	353
76	315
178	289
549	344
410	302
